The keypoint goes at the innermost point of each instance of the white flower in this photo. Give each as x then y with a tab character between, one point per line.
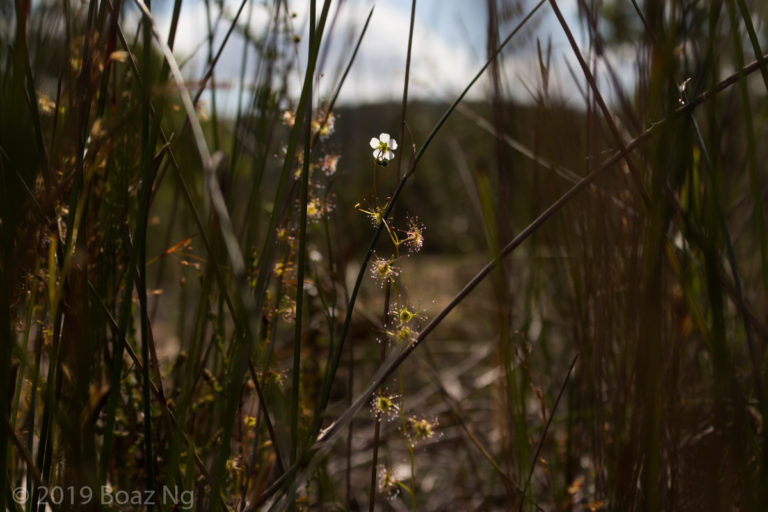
383	148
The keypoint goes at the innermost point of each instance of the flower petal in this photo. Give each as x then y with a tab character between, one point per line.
377	154
374	142
384	137
392	144
388	155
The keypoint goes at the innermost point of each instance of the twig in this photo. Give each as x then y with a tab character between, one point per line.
546	428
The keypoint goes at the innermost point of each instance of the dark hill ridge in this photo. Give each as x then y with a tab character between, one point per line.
443	193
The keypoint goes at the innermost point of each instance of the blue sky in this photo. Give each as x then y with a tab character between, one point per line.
449	48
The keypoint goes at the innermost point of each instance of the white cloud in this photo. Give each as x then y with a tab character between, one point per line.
438	65
448	49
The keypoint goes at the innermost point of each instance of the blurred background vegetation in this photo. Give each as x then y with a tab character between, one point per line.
186	299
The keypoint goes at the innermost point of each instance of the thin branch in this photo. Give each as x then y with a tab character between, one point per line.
546	428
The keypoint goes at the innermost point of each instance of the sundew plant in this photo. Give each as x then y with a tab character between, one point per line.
543	289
